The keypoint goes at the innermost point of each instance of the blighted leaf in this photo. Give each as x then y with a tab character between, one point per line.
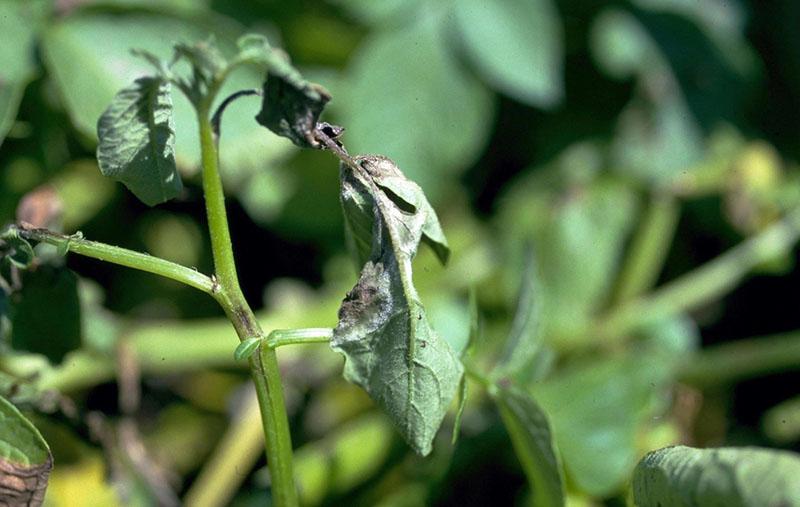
390	349
137	141
358	205
291	105
25	459
516	45
681	476
532	438
46	313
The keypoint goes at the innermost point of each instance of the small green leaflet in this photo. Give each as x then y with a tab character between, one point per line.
681	476
390	349
532	438
25	459
137	141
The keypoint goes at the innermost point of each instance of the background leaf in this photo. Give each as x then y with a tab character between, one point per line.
25	459
530	433
735	477
137	141
450	111
19	23
516	45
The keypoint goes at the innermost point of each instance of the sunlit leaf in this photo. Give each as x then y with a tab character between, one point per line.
516	45
391	350
735	477
18	23
137	141
419	107
25	459
532	438
596	408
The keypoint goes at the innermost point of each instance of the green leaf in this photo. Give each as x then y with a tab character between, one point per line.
524	338
596	216
46	313
390	349
516	45
137	141
385	11
408	97
734	477
291	105
102	42
25	459
532	438
19	24
596	408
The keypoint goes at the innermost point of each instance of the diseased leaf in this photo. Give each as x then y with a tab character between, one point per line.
25	459
682	476
291	105
407	196
390	349
516	45
137	141
532	438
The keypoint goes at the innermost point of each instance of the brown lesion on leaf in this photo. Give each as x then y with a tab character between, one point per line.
23	485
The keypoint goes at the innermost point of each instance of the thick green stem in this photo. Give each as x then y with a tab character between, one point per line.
264	367
123	257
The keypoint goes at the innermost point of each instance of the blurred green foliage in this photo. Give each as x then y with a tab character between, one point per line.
613	149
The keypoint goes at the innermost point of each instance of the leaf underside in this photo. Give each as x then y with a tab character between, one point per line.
137	141
390	348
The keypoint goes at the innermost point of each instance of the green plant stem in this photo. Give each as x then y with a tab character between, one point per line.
281	337
702	285
733	361
649	248
123	257
264	366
